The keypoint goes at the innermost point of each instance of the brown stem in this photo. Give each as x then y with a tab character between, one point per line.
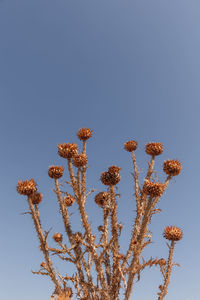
168	272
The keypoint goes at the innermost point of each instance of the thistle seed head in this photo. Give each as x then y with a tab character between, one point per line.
102	199
68	200
84	133
57	237
56	172
154	149
79	160
172	167
172	233
154	189
67	150
114	169
36	198
130	146
26	187
110	178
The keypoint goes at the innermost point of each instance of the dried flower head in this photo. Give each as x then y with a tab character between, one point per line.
130	146
154	189
36	198
57	237
43	264
110	178
114	169
172	167
84	133
172	233
80	160
69	200
56	171
67	150
154	149
102	199
66	294
77	237
26	187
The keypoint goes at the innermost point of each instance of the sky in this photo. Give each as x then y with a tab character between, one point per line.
125	69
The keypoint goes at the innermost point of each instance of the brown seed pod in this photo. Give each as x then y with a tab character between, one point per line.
43	264
114	169
56	172
79	160
26	187
84	133
101	228
154	189
67	150
110	178
68	200
130	146
172	167
154	149
57	237
162	262
172	233
36	198
102	199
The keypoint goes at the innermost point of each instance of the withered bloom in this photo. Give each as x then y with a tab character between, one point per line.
36	198
67	150
68	200
102	199
57	237
84	133
154	149
56	172
154	189
130	146
162	262
114	169
110	178
172	233
79	160
26	187
77	237
172	167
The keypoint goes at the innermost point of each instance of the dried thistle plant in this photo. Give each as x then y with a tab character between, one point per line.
102	271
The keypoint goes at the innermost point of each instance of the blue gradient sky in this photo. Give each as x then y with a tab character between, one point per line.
126	69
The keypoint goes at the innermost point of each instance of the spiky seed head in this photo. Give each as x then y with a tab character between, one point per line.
172	167
57	237
172	233
67	150
36	198
69	200
114	169
154	149
43	264
84	133
110	178
154	189
56	172
79	160
102	199
26	187
130	146
77	237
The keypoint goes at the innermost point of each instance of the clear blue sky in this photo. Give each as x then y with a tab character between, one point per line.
126	69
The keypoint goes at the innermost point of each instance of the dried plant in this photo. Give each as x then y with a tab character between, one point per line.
101	270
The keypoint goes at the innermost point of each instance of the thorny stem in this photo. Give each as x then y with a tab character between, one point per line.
44	246
83	174
144	226
168	273
105	234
